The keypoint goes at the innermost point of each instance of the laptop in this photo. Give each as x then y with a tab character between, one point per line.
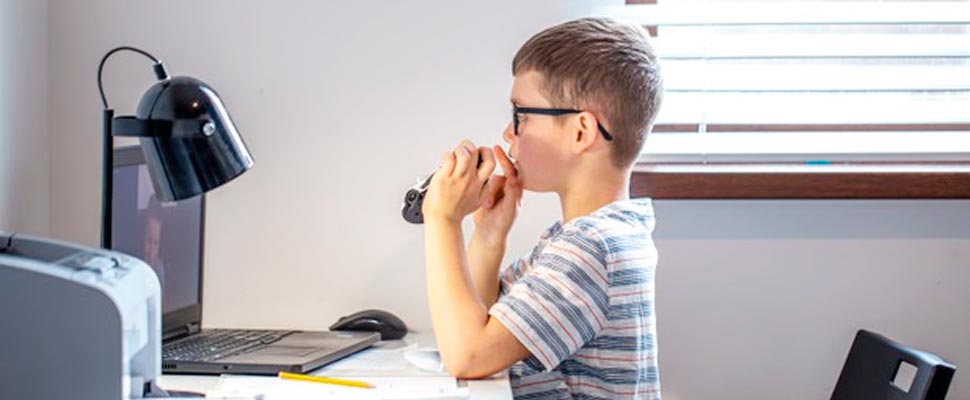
169	237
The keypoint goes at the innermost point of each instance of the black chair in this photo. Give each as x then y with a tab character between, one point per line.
874	362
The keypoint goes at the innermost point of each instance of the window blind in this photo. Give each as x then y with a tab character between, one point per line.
809	81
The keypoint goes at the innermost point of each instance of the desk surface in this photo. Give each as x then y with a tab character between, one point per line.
493	388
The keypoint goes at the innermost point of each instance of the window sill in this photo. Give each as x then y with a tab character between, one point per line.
800	181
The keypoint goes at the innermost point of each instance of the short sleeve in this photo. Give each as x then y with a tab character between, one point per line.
561	303
508	276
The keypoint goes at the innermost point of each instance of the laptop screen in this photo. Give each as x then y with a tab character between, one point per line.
167	236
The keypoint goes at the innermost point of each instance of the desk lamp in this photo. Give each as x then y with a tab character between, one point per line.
190	144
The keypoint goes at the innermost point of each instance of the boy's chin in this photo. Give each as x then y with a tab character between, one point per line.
530	184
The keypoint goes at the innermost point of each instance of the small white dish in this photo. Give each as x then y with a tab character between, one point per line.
427	359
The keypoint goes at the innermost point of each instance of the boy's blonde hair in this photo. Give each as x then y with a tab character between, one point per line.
601	65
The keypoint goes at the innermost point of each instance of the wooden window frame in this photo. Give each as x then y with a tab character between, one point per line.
859	180
790	181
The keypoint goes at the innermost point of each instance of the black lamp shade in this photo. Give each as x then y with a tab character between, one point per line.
201	151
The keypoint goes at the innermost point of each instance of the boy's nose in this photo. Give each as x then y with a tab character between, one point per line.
507	134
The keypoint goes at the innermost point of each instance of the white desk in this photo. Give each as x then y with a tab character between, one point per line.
493	388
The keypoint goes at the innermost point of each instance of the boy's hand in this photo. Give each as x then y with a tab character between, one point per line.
500	200
456	187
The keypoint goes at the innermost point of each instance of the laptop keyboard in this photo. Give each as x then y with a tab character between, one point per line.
213	344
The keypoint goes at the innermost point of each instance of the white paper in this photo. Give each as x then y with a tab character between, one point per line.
372	360
271	388
383	362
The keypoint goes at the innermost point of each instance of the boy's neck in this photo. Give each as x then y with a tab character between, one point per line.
589	193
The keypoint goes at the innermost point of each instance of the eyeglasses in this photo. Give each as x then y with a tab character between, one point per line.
553	112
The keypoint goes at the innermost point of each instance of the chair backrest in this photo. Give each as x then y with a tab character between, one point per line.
874	362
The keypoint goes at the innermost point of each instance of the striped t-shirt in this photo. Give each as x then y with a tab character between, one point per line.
582	303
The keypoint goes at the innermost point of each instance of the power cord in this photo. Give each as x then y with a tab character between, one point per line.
159	68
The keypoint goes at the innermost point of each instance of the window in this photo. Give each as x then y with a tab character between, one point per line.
763	92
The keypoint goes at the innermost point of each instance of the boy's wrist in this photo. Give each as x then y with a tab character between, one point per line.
438	219
489	238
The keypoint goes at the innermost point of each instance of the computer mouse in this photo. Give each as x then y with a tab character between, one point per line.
390	326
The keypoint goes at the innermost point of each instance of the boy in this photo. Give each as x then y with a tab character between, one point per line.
574	318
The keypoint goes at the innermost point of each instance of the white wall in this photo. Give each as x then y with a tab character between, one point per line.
761	299
24	144
344	103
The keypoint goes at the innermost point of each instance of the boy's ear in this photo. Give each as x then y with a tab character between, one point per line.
585	132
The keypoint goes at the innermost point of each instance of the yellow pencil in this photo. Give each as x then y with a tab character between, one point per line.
321	379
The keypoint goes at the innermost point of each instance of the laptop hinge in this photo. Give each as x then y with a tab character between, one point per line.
184	330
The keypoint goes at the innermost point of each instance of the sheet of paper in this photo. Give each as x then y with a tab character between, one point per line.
271	388
375	359
419	388
383	361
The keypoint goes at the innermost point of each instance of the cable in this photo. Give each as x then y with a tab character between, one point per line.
159	68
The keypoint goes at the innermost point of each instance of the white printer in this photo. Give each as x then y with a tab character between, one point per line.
76	322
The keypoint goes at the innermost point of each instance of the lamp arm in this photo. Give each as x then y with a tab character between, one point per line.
158	67
107	148
107	177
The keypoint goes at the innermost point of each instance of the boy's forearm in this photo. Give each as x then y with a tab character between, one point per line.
484	259
457	312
